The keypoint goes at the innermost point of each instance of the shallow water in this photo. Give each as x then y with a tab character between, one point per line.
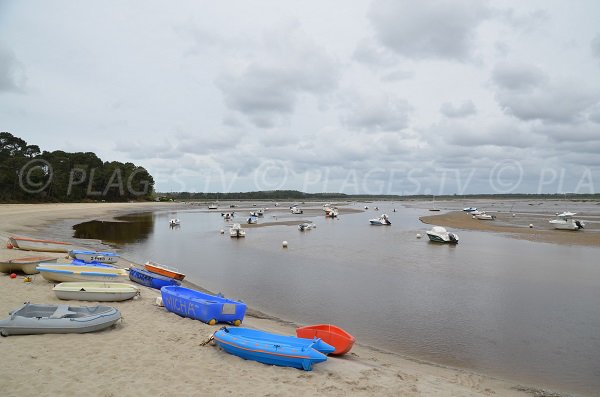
518	309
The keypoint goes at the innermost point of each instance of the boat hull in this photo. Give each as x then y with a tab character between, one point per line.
341	340
95	292
93	256
42	319
30	244
197	305
163	271
25	265
149	279
67	273
439	239
268	348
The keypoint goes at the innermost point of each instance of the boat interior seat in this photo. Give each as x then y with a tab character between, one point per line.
61	312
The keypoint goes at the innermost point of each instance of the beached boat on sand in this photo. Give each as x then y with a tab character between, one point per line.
149	279
94	256
31	244
207	308
58	319
26	265
565	221
95	291
341	340
164	270
63	273
269	348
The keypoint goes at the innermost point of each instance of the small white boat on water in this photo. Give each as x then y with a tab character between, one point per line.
212	206
482	216
331	212
95	291
174	222
31	244
383	220
26	265
470	209
296	211
227	215
306	226
565	221
439	234
62	273
94	256
237	231
252	220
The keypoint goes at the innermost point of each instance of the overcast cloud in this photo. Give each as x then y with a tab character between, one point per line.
371	96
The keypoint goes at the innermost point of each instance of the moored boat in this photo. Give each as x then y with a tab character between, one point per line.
565	221
94	256
58	319
269	348
306	226
149	279
174	222
296	211
341	340
484	216
31	244
438	234
63	273
236	231
470	209
95	291
252	220
207	308
26	265
164	270
383	220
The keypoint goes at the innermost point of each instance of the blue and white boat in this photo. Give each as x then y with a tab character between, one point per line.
94	256
470	209
149	279
207	308
64	273
267	348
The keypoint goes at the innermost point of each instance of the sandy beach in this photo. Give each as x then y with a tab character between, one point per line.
154	352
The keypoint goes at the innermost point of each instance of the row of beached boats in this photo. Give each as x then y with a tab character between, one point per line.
311	344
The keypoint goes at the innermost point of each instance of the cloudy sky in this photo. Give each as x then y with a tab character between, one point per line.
377	96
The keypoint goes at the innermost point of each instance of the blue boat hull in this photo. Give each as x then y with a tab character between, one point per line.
269	348
197	305
150	279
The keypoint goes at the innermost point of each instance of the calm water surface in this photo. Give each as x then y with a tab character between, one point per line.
518	309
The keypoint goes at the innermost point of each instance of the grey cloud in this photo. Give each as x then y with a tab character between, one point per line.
12	72
595	45
380	113
518	76
465	109
424	29
397	75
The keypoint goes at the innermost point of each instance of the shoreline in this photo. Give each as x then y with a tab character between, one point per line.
366	371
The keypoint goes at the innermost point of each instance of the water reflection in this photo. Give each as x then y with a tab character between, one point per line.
125	229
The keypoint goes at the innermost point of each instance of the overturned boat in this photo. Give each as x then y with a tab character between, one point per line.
58	319
207	308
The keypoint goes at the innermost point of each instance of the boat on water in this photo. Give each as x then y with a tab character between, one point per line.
174	222
63	273
164	270
237	231
94	256
331	212
439	234
252	220
95	291
383	220
227	215
210	309
565	221
341	340
31	244
433	207
268	348
470	209
26	265
306	226
212	206
33	318
296	211
149	279
484	217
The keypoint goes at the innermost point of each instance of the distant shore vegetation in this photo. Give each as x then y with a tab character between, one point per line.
28	174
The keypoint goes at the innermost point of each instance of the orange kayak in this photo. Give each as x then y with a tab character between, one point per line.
330	334
163	270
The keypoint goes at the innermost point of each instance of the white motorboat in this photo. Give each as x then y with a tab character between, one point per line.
482	216
331	212
470	209
439	234
306	226
228	215
212	207
174	222
260	212
383	220
565	221
237	231
296	210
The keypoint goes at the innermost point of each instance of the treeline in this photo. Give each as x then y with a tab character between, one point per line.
29	175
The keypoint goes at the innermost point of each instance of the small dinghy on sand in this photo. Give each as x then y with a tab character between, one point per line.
95	292
32	319
26	265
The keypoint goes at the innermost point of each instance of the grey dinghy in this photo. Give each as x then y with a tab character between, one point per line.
58	319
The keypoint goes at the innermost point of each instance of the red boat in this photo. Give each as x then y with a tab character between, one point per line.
330	334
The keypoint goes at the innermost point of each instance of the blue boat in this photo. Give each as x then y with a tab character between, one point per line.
94	256
149	279
267	348
78	262
207	308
